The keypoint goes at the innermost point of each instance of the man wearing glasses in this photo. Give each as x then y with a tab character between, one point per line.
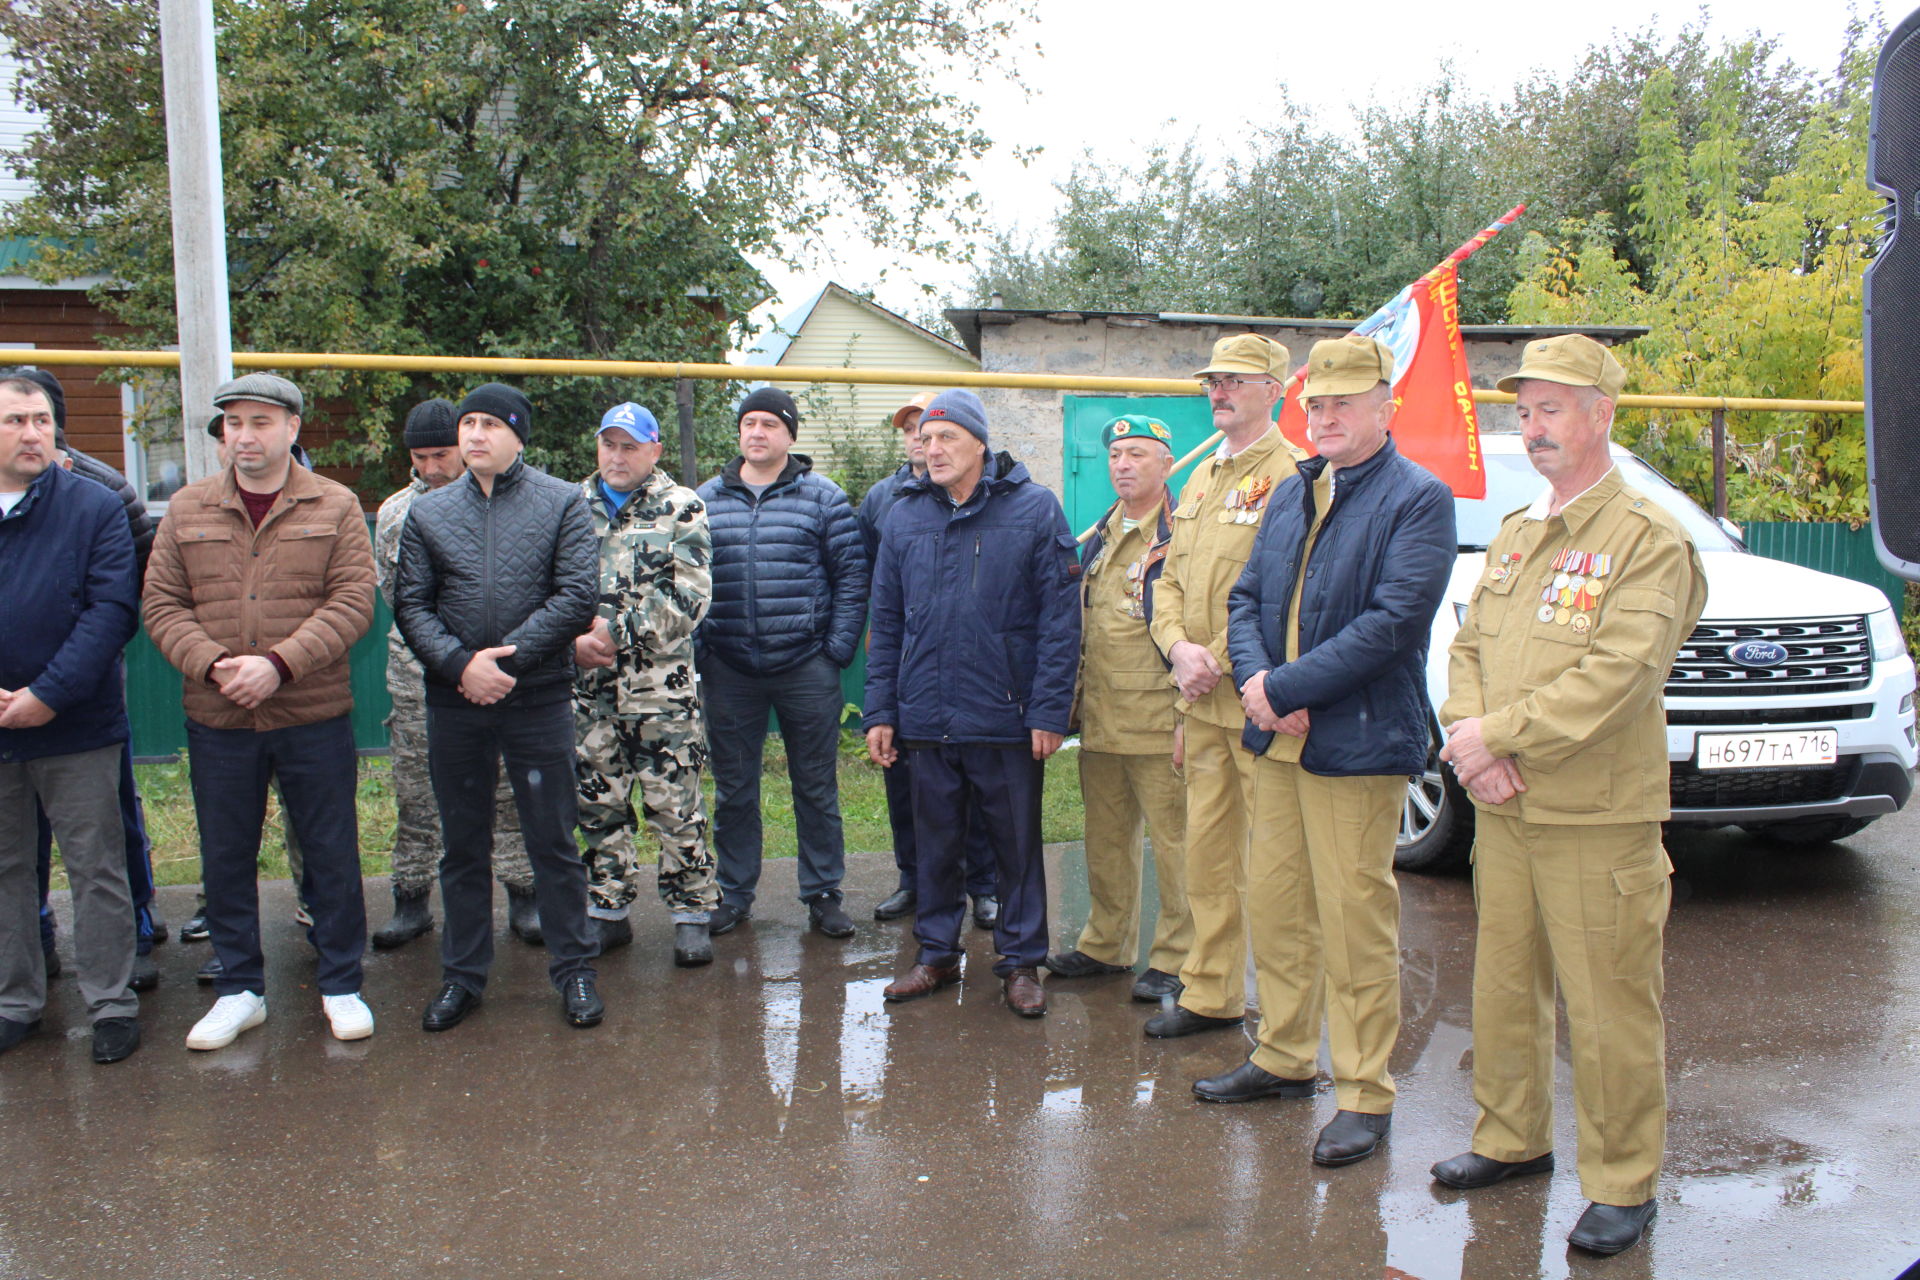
1213	530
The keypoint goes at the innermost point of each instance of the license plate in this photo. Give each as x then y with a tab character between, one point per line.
1768	750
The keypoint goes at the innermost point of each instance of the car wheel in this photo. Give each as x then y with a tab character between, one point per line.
1436	821
1807	832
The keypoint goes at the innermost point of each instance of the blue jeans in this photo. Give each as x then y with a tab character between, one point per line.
808	700
316	768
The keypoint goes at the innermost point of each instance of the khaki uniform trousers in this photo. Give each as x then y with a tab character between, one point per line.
1120	791
1588	905
1324	911
1219	783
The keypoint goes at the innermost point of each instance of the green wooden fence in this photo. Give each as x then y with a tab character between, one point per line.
1830	548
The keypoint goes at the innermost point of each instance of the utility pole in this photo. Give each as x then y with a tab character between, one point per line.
199	220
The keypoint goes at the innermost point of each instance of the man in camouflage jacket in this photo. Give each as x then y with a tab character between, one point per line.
433	447
635	705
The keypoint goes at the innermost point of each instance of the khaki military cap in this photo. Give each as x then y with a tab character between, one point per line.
1573	360
1346	366
1248	353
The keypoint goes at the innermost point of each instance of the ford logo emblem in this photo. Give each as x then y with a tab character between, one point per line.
1758	653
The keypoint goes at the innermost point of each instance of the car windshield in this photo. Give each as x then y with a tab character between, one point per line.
1513	483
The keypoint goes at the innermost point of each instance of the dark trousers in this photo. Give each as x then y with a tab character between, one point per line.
316	767
955	787
466	745
979	860
808	701
139	859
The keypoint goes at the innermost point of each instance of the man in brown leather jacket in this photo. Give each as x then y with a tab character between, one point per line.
261	580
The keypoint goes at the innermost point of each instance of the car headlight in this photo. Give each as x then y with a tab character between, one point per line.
1884	629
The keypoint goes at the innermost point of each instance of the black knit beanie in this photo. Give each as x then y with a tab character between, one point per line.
774	401
432	424
503	402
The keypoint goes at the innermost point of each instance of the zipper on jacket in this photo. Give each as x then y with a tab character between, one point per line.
976	564
486	575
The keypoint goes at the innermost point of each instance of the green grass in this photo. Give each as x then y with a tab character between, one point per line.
167	793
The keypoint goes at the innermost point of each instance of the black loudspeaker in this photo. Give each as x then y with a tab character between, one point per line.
1893	306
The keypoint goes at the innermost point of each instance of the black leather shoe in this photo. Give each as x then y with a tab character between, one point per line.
195	929
210	972
449	1008
827	916
52	958
613	934
580	1002
726	918
411	918
691	946
146	976
1471	1171
114	1039
158	925
986	912
1350	1137
1611	1228
1246	1082
1177	1021
902	902
1156	985
1078	964
523	917
12	1033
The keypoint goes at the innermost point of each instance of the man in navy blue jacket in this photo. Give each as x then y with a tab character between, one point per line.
1327	631
976	639
790	579
67	559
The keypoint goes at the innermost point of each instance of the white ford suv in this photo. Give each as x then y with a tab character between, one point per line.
1790	710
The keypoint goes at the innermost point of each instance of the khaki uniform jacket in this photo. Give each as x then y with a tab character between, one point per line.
1211	543
1573	693
300	586
1126	706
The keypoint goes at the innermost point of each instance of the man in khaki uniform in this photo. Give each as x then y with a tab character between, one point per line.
1555	725
1328	632
1213	529
1126	724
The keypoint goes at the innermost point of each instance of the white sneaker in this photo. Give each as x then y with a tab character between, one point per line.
351	1018
224	1022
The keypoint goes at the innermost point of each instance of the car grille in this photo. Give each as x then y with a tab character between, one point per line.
1824	656
1722	717
1693	788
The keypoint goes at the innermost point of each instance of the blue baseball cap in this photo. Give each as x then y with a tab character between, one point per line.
634	419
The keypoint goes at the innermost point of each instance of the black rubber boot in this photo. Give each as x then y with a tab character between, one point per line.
411	918
523	917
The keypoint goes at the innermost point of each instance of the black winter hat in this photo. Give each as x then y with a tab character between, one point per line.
55	395
774	401
503	402
432	424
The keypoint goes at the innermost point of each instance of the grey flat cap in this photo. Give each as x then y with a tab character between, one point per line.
268	388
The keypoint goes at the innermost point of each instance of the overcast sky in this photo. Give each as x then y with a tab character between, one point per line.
1115	73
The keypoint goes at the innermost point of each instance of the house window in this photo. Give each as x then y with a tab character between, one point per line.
155	450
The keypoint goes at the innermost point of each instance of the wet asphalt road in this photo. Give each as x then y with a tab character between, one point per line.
770	1116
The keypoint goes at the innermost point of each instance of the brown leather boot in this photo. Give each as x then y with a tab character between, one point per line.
921	980
1025	995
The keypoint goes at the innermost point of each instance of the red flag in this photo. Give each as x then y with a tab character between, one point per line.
1434	422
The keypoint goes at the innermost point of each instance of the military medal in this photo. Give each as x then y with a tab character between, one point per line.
1561	615
1582	624
1546	613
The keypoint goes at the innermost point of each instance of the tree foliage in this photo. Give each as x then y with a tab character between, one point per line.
1748	289
500	177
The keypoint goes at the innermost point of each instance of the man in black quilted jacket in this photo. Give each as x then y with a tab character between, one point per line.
790	579
498	573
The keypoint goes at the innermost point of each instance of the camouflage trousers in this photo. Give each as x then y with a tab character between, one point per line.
653	764
416	836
